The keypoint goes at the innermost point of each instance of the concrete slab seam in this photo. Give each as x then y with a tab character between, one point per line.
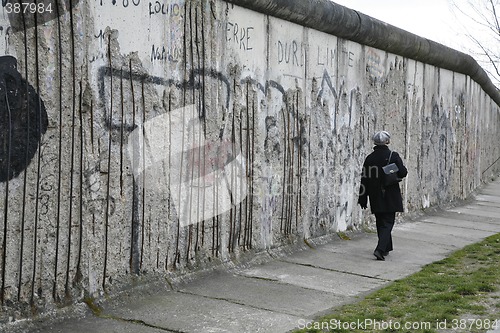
336	270
139	322
239	303
281	282
463	227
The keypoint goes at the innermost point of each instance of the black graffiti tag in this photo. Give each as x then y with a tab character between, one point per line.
23	120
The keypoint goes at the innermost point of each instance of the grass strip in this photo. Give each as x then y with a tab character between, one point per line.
445	296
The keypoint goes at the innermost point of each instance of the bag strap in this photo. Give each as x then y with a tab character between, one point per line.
389	160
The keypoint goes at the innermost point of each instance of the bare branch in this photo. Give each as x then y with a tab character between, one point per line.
483	32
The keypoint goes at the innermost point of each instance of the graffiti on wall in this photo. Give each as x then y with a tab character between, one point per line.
374	64
23	120
105	74
198	143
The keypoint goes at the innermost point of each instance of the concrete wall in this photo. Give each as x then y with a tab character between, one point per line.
158	137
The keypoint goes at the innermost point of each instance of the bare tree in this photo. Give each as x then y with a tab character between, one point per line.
480	22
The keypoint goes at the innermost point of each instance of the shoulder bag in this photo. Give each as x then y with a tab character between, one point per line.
390	173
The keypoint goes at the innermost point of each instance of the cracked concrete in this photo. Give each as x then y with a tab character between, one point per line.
279	294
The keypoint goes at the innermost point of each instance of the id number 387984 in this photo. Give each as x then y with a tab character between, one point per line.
28	8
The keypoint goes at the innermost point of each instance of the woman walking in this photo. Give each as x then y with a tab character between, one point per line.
385	200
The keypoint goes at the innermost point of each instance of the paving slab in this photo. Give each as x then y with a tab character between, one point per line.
264	294
358	242
491	207
487	204
363	263
469	211
489	226
436	233
491	187
488	198
315	278
181	312
466	217
91	325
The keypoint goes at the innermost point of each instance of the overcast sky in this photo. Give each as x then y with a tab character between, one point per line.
432	19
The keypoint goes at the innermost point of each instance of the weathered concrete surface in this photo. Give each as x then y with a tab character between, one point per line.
284	293
152	139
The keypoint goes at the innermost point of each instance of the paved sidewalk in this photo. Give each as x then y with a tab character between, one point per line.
281	294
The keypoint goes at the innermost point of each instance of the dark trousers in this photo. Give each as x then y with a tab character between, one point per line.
385	223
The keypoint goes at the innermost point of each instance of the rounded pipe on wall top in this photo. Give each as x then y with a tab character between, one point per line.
343	22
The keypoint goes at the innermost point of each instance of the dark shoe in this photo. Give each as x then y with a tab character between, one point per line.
385	254
379	255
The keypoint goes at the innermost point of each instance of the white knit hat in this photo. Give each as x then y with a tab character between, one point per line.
381	138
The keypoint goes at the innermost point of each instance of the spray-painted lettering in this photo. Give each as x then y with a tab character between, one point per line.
161	53
290	53
239	35
173	9
326	57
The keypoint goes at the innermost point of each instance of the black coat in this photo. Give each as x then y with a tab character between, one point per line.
382	200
